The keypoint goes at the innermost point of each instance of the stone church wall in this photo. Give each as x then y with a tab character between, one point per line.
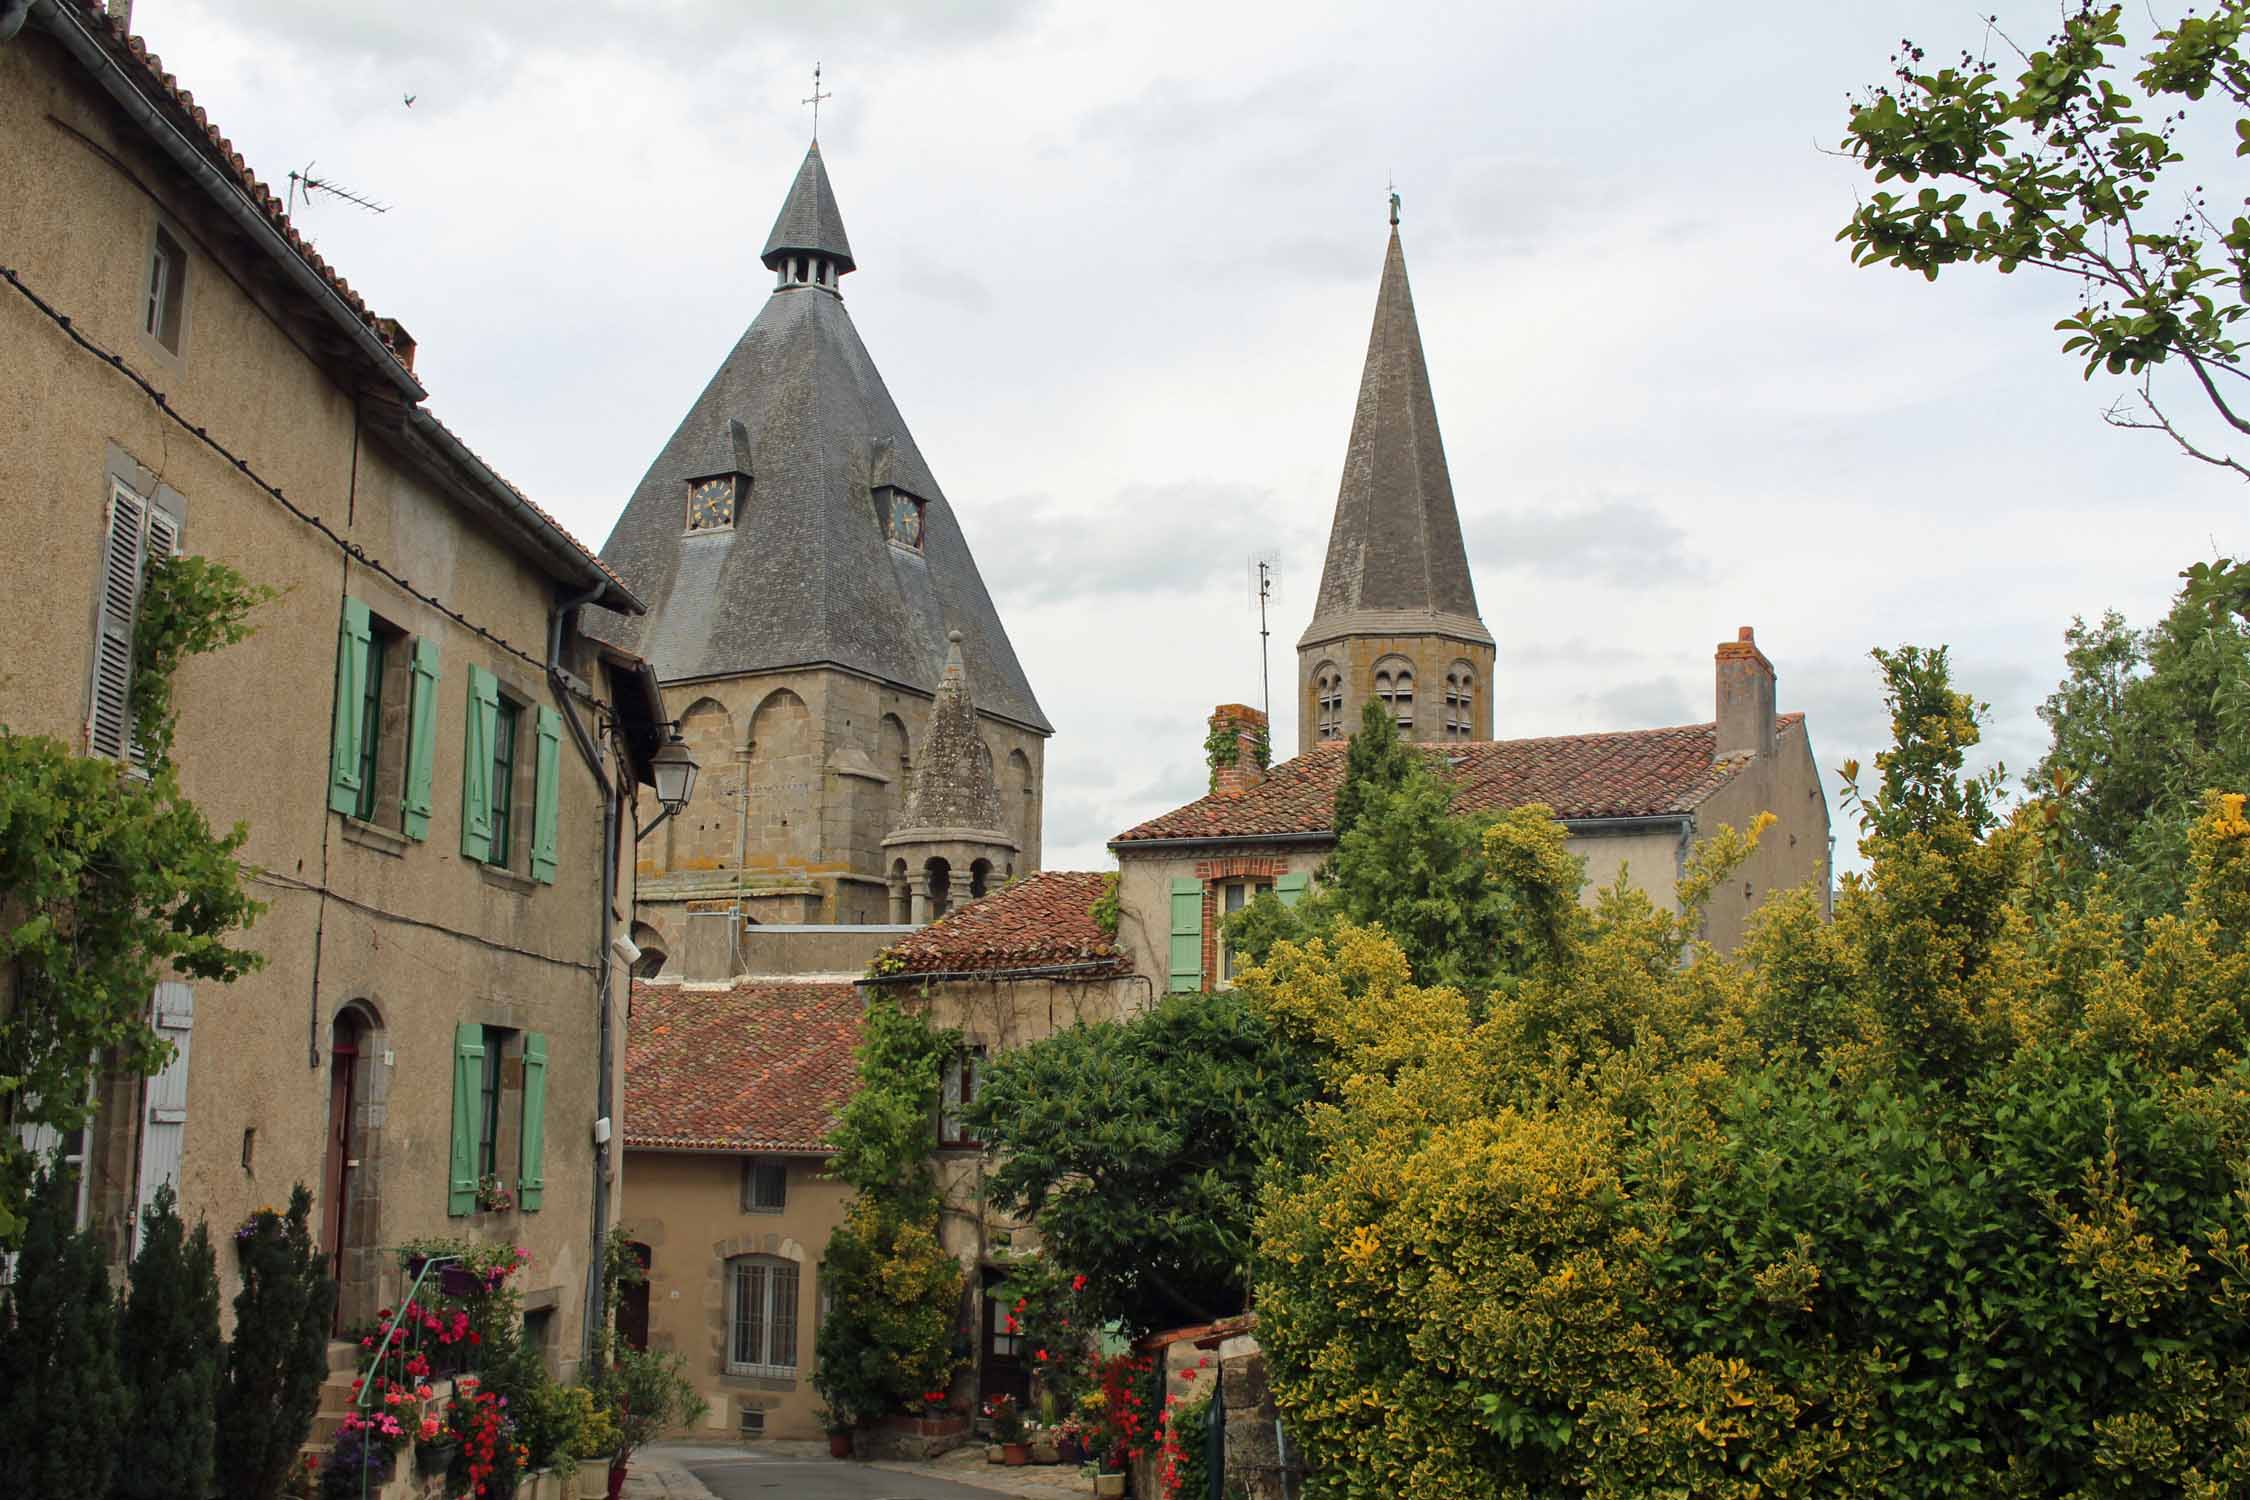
1359	658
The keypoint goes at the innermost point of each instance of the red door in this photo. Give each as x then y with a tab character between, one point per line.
336	1174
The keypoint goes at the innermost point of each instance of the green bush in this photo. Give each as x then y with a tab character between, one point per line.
61	1401
888	1338
169	1346
279	1356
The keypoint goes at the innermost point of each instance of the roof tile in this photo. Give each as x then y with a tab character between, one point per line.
763	1066
1046	918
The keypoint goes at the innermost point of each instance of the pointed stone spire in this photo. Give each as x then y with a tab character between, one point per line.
952	785
809	226
1395	546
1396	619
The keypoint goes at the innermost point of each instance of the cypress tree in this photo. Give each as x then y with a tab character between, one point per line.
169	1341
279	1356
1377	762
61	1401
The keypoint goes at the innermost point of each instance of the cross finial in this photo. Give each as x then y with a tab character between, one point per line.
1393	187
814	101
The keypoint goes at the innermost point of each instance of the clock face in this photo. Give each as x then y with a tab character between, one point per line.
906	520
711	502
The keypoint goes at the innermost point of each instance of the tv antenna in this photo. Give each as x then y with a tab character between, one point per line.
302	180
1265	579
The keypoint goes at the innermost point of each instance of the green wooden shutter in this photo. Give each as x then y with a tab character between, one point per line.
544	795
421	736
533	1183
476	764
468	1095
1289	889
351	695
1187	936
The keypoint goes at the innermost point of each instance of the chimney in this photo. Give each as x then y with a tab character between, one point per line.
1745	698
393	333
1237	748
120	11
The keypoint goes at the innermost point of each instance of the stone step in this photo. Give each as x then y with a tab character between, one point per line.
344	1357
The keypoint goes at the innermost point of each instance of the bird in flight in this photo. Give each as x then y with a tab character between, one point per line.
410	98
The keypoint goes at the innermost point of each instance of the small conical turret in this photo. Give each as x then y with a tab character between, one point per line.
808	245
952	785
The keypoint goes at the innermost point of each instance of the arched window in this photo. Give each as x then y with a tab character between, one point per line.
761	1316
1394	686
1460	702
1328	694
940	876
980	879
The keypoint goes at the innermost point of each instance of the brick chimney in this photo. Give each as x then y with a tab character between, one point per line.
1246	727
394	333
1745	697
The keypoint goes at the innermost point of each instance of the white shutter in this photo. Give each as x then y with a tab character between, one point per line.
109	722
166	1127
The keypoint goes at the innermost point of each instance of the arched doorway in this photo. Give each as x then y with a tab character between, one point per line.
349	1180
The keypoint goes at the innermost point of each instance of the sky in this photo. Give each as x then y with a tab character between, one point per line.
1118	265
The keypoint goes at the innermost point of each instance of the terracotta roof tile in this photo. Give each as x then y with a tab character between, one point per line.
1042	919
763	1066
1635	773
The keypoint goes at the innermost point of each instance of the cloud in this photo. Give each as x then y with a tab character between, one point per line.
1160	539
1650	703
1614	541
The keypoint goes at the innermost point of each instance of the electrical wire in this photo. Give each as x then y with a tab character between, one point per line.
291	883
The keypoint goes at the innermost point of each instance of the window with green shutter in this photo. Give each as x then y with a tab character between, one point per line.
370	727
1186	969
531	1185
504	736
476	764
546	787
1289	889
348	737
421	737
468	1101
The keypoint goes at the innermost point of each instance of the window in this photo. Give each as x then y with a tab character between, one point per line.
1394	685
167	290
504	780
1235	895
1460	702
489	1114
1328	695
370	727
384	734
139	529
957	1092
499	1116
765	1186
762	1316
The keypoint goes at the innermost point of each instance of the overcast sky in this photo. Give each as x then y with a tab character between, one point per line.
1117	265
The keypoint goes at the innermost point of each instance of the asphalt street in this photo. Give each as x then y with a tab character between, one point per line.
753	1478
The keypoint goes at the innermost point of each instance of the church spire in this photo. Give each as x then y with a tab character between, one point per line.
1396	587
808	245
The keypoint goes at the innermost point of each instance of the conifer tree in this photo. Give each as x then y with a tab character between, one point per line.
1377	762
61	1402
169	1353
279	1355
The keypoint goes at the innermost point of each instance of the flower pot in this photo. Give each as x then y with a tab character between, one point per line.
1109	1485
1070	1449
840	1443
432	1458
616	1481
459	1281
593	1479
1015	1455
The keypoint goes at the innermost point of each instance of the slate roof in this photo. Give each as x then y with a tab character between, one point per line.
763	1066
1634	773
809	219
806	575
1395	544
1042	919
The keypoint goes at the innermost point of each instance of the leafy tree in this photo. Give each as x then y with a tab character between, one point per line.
61	1402
881	1142
2145	723
2061	170
279	1355
1138	1146
1935	1198
169	1342
109	880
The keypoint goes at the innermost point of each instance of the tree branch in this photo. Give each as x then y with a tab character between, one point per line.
2118	415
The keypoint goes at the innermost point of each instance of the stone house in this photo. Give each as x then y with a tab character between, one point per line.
436	767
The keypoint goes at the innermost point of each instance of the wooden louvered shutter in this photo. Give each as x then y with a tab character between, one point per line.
165	1130
1289	889
476	764
1186	968
109	719
532	1184
468	1097
545	792
346	735
421	737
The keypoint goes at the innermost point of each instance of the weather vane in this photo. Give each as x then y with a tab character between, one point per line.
1392	185
814	101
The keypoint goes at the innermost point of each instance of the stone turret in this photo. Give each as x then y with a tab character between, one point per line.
951	844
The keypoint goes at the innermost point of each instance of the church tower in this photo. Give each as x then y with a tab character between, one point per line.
810	593
1397	615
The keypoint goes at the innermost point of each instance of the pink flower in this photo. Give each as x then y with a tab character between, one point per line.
1078	1282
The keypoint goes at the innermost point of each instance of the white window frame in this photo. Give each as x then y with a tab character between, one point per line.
1233	896
769	1286
164	291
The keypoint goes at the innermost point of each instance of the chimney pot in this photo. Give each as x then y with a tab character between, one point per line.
1745	698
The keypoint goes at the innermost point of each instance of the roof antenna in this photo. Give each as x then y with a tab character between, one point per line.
303	180
1264	577
814	101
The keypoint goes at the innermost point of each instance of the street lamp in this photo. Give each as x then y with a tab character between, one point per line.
674	770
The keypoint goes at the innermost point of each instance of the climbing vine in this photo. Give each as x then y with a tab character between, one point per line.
1106	910
109	879
1222	748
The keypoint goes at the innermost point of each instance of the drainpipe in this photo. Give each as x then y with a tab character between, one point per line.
559	682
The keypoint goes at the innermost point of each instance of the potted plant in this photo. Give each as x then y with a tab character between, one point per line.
1070	1441
1008	1428
434	1447
647	1395
838	1426
593	1440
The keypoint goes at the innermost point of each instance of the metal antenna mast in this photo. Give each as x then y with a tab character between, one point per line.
1262	578
302	180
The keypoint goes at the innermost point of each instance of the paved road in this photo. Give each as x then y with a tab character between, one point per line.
754	1478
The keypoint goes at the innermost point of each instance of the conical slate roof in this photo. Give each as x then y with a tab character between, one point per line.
1395	559
809	220
952	785
806	575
